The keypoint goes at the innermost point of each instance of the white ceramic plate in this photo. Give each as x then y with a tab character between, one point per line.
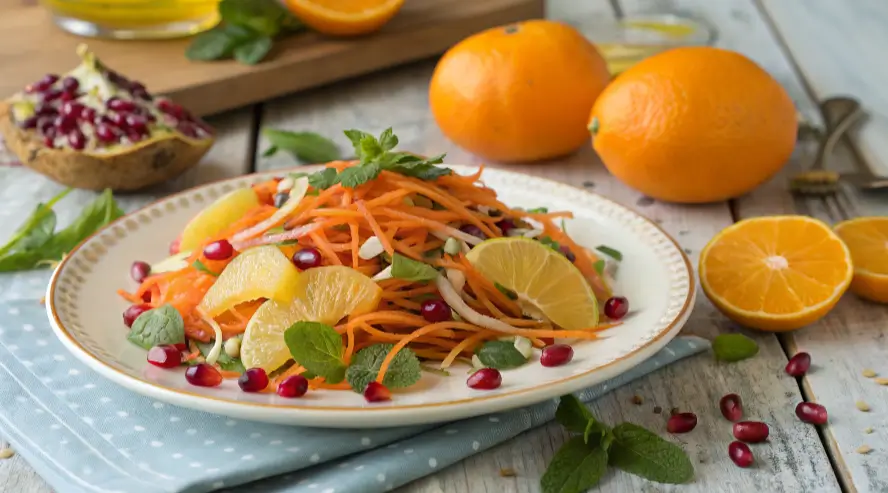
655	275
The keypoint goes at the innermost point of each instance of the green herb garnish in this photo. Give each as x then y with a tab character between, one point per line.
197	264
538	210
317	347
307	147
506	291
583	460
733	347
549	242
162	325
224	361
411	270
610	252
501	355
403	371
36	242
599	266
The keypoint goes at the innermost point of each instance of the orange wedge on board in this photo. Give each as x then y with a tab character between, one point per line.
775	273
344	17
867	239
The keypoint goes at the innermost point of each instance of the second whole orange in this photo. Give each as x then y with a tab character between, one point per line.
520	92
694	125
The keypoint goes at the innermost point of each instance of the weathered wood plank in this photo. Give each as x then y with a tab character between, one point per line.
793	461
21	190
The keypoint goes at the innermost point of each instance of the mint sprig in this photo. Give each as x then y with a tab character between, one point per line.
403	371
501	355
375	155
317	347
734	347
583	460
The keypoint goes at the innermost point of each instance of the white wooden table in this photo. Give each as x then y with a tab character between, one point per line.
817	49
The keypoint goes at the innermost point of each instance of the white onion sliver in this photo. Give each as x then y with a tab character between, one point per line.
465	311
213	355
293	234
371	248
383	274
297	193
456	278
451	231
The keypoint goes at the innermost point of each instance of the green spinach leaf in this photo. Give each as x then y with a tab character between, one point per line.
308	147
412	270
162	325
501	355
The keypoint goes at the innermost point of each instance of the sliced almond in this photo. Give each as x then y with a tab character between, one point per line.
868	373
6	453
864	449
881	381
868	430
863	406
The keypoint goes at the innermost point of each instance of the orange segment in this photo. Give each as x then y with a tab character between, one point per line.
775	273
344	17
867	239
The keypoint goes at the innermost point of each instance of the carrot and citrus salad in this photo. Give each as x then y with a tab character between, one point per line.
364	274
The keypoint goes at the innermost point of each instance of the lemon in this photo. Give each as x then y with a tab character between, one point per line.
261	272
217	216
545	281
323	294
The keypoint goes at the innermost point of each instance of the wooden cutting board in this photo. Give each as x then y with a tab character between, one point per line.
34	46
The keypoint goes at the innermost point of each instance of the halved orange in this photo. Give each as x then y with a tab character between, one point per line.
775	273
344	17
867	239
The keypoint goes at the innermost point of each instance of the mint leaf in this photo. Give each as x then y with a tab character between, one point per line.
610	252
538	210
162	325
734	347
251	52
317	347
641	452
323	179
575	468
501	355
598	432
599	266
263	16
411	270
549	242
357	175
388	140
203	268
224	361
403	371
305	146
573	414
410	165
356	136
214	44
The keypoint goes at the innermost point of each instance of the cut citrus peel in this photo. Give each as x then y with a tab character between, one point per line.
775	273
217	216
344	18
867	240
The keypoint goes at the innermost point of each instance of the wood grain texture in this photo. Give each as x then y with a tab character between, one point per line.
422	29
794	460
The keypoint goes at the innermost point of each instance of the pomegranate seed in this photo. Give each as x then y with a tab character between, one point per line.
134	136
49	142
307	258
137	89
137	123
681	423
45	110
751	431
76	139
165	356
485	379
473	230
436	310
377	392
105	133
174	246
69	96
72	109
568	254
140	270
812	413
798	365
43	84
293	386
616	307
741	455
731	407
88	115
218	250
203	375
548	340
181	346
132	313
253	380
505	226
64	123
51	95
146	296
171	108
29	123
120	105
187	129
117	119
556	355
70	84
45	125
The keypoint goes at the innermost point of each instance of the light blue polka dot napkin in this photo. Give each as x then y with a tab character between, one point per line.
84	434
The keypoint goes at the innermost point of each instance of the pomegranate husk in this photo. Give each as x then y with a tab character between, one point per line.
141	165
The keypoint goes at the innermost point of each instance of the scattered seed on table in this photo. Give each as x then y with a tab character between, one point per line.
864	449
508	472
868	373
881	381
658	409
868	430
637	400
863	406
6	453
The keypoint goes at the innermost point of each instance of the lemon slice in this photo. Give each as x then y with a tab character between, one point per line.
217	216
261	272
544	280
323	294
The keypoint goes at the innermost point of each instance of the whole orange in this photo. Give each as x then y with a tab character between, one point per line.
520	92
693	125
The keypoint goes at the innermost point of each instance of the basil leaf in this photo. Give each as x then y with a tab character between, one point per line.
641	452
358	175
99	213
403	371
224	361
411	270
734	347
573	414
549	242
214	44
323	179
575	468
501	355
203	268
317	347
162	325
252	51
610	252
306	146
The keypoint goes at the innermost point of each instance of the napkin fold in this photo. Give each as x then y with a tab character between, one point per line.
85	434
